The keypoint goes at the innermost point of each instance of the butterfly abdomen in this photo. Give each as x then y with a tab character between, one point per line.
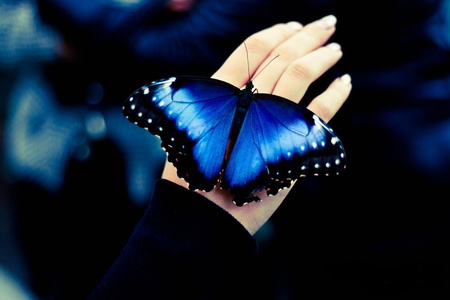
245	96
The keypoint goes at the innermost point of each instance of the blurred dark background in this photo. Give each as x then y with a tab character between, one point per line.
74	183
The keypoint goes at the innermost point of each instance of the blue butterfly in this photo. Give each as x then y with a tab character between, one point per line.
217	134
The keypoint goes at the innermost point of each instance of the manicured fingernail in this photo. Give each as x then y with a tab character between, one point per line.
346	79
295	25
327	22
334	46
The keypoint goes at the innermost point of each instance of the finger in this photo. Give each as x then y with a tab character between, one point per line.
280	40
302	72
327	104
310	38
237	70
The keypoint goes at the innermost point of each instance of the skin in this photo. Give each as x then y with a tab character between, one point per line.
304	56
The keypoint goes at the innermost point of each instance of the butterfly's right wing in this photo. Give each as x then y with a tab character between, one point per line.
279	142
192	116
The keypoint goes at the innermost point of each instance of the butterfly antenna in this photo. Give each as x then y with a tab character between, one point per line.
248	64
248	61
265	66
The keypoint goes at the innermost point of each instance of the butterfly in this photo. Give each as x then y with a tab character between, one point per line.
244	141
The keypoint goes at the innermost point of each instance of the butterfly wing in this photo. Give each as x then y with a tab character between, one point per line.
192	116
279	142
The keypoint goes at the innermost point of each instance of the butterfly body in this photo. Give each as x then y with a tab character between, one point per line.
217	134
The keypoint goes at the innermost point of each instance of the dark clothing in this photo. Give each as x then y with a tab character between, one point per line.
184	247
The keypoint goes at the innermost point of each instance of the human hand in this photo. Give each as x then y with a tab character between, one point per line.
303	57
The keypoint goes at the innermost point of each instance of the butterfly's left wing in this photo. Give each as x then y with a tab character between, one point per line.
192	116
279	142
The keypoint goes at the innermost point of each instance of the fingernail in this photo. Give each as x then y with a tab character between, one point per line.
295	25
327	22
346	79
334	46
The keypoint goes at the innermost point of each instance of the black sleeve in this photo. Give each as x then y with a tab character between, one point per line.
184	247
